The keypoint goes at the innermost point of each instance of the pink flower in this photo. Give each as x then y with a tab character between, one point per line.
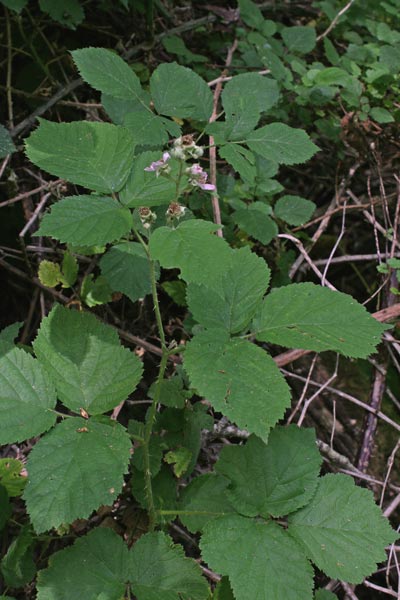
160	166
198	177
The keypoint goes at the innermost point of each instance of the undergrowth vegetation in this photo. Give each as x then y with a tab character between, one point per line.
199	358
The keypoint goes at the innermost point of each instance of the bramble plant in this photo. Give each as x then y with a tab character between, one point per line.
265	501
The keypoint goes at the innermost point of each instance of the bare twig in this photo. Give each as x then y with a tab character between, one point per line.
335	20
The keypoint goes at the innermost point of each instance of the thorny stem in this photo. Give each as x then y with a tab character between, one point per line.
148	428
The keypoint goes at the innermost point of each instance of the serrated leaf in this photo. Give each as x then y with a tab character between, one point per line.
68	12
105	71
95	567
27	397
147	129
89	220
241	159
17	565
305	315
250	13
127	270
252	553
161	570
7	337
205	496
49	273
144	188
244	98
179	458
86	361
179	92
74	469
234	302
324	595
17	6
172	393
295	210
193	248
175	45
254	219
342	530
281	143
10	476
70	270
95	291
223	590
238	378
118	108
164	491
274	479
6	144
97	156
299	39
175	290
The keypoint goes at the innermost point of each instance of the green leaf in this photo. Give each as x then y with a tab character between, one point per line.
7	337
180	458
10	476
161	570
127	270
274	479
305	315
6	144
244	98
96	566
17	566
223	590
193	248
250	13
241	159
95	291
332	76
299	39
164	491
282	144
231	305
342	529
27	398
294	209
381	115
5	507
239	379
107	72
97	156
180	92
254	219
86	361
144	188
175	290
206	497
324	595
254	554
16	5
118	108
70	270
74	469
67	12
49	273
147	129
175	45
89	220
172	393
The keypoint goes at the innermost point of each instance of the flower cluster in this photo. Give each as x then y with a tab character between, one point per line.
185	148
160	166
175	211
198	178
147	216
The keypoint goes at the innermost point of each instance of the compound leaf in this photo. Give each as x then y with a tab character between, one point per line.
342	530
205	494
27	397
255	220
89	220
97	156
96	566
179	92
305	315
273	479
86	361
234	302
239	379
193	248
281	143
74	469
107	72
252	553
241	159
161	570
126	268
